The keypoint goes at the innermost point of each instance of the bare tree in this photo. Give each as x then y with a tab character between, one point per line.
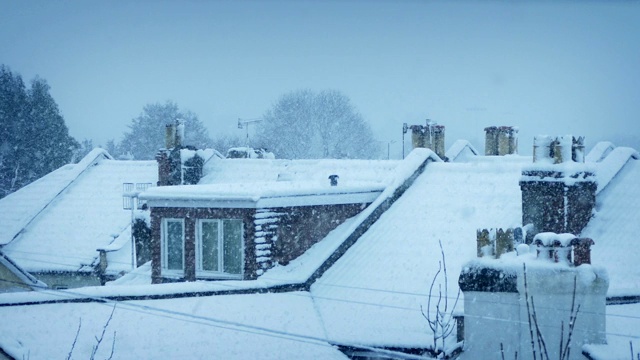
99	340
537	338
440	317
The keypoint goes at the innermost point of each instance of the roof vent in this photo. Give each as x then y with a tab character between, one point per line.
334	179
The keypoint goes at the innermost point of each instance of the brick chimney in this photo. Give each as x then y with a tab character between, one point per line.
178	164
558	193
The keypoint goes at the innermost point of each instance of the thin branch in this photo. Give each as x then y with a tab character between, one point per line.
526	296
541	343
446	278
75	339
104	329
113	346
572	322
562	339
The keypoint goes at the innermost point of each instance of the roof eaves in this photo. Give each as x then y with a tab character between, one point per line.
27	278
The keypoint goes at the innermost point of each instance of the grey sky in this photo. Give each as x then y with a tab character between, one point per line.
549	68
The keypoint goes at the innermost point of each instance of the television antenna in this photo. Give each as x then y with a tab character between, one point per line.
244	124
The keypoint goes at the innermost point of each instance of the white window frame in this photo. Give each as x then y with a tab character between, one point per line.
165	250
218	274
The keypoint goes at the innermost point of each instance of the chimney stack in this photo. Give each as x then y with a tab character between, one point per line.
170	136
430	136
501	140
555	197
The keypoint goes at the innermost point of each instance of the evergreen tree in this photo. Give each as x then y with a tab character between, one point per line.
34	139
303	124
147	131
13	102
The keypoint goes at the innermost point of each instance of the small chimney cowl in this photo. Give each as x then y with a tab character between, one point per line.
333	179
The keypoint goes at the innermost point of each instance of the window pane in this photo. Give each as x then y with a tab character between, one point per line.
174	245
232	247
209	240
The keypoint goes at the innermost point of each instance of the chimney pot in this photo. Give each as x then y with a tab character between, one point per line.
170	136
333	180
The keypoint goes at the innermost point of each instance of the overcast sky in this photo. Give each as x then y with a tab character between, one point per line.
550	68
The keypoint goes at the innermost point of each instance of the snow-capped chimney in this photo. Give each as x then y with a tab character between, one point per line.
499	294
179	133
558	194
559	149
177	164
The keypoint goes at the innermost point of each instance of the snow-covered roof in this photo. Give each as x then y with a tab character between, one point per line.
257	183
600	151
19	208
383	279
615	227
615	160
460	151
373	294
58	222
253	326
270	170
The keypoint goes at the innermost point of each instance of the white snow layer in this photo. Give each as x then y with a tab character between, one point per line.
64	231
383	280
615	227
265	326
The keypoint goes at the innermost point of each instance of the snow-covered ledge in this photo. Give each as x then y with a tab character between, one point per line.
502	295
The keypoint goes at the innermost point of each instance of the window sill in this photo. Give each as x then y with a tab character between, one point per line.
218	276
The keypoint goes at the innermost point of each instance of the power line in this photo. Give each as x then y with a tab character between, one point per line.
231	286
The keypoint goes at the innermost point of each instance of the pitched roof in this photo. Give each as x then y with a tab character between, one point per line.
61	219
21	207
383	279
615	227
461	150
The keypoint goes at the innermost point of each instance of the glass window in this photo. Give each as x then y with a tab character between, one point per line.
232	254
220	246
209	246
173	258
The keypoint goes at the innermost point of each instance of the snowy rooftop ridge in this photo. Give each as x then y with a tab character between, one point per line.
612	164
21	207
